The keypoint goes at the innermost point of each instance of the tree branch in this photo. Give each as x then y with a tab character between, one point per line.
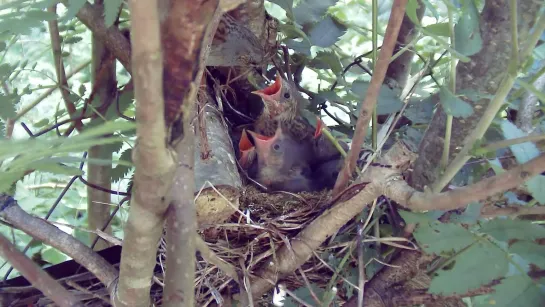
153	160
36	276
368	104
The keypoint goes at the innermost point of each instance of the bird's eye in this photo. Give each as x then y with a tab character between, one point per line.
287	95
276	147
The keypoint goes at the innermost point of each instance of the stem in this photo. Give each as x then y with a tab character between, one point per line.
491	111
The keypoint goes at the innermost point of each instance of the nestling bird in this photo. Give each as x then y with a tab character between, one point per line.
281	106
282	162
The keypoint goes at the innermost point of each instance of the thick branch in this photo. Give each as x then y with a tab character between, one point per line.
153	160
111	37
59	66
36	276
51	235
370	101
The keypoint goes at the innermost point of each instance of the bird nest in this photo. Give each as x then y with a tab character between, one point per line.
265	222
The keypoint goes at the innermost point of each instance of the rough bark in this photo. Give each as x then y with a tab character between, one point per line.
400	69
216	174
482	74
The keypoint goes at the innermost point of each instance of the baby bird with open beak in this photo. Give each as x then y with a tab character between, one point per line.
282	162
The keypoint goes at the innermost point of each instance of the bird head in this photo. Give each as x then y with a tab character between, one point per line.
277	98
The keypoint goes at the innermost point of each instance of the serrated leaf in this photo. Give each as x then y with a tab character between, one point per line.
388	100
326	33
453	105
410	10
302	47
507	229
439	29
482	261
120	171
309	11
523	153
420	217
7	105
467	34
73	8
111	10
440	237
517	291
530	251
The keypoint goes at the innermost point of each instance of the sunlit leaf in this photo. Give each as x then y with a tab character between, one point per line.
453	105
410	10
53	256
287	5
72	40
439	29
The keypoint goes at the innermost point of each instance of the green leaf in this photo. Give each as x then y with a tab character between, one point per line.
388	100
410	10
439	237
302	47
327	60
73	8
530	251
523	153
287	5
52	255
470	216
41	15
506	229
120	171
303	293
439	29
453	105
5	70
7	105
467	34
111	10
72	40
42	122
517	291
311	11
420	217
326	33
483	261
8	179
45	165
431	8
